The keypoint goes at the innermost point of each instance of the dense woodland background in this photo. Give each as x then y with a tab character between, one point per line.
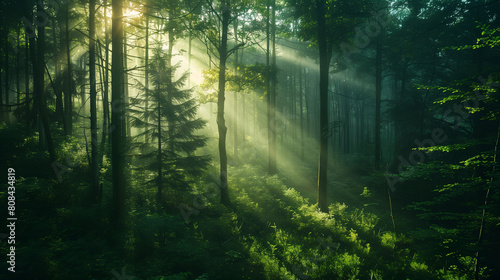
251	139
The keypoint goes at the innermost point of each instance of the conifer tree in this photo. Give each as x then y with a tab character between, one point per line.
168	123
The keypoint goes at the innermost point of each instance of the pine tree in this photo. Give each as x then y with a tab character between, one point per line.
168	122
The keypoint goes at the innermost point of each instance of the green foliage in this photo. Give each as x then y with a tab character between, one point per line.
275	233
388	239
465	170
366	192
166	116
491	39
250	78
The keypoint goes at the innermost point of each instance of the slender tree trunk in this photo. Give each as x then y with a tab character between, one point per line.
483	215
272	143
105	95
362	123
94	167
243	100
56	83
3	109
18	64
270	127
170	115
7	86
106	84
34	110
190	39
146	71
308	113
301	116
105	105
347	117
324	58
83	104
68	104
117	115
126	122
27	84
159	194
235	113
378	92
221	122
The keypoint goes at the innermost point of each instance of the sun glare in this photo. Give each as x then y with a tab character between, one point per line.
130	13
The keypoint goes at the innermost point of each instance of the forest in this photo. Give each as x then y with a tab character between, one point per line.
249	139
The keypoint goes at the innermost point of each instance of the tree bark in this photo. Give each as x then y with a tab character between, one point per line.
270	127
273	91
18	66
301	115
125	120
94	174
68	104
324	58
7	88
235	114
146	71
378	92
105	98
27	84
117	116
159	194
221	122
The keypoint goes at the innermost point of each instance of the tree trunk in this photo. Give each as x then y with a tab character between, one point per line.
105	97
378	92
190	39
235	114
347	118
146	71
27	84
7	89
482	226
324	58
270	122
117	115
68	104
159	194
301	116
273	92
94	174
221	122
2	107
106	84
18	66
125	120
170	115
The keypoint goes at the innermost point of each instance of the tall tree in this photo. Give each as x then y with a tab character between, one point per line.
117	115
327	23
218	38
324	63
271	83
94	174
378	93
169	123
69	89
105	90
221	122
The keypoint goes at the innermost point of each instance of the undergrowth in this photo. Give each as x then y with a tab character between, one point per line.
274	233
